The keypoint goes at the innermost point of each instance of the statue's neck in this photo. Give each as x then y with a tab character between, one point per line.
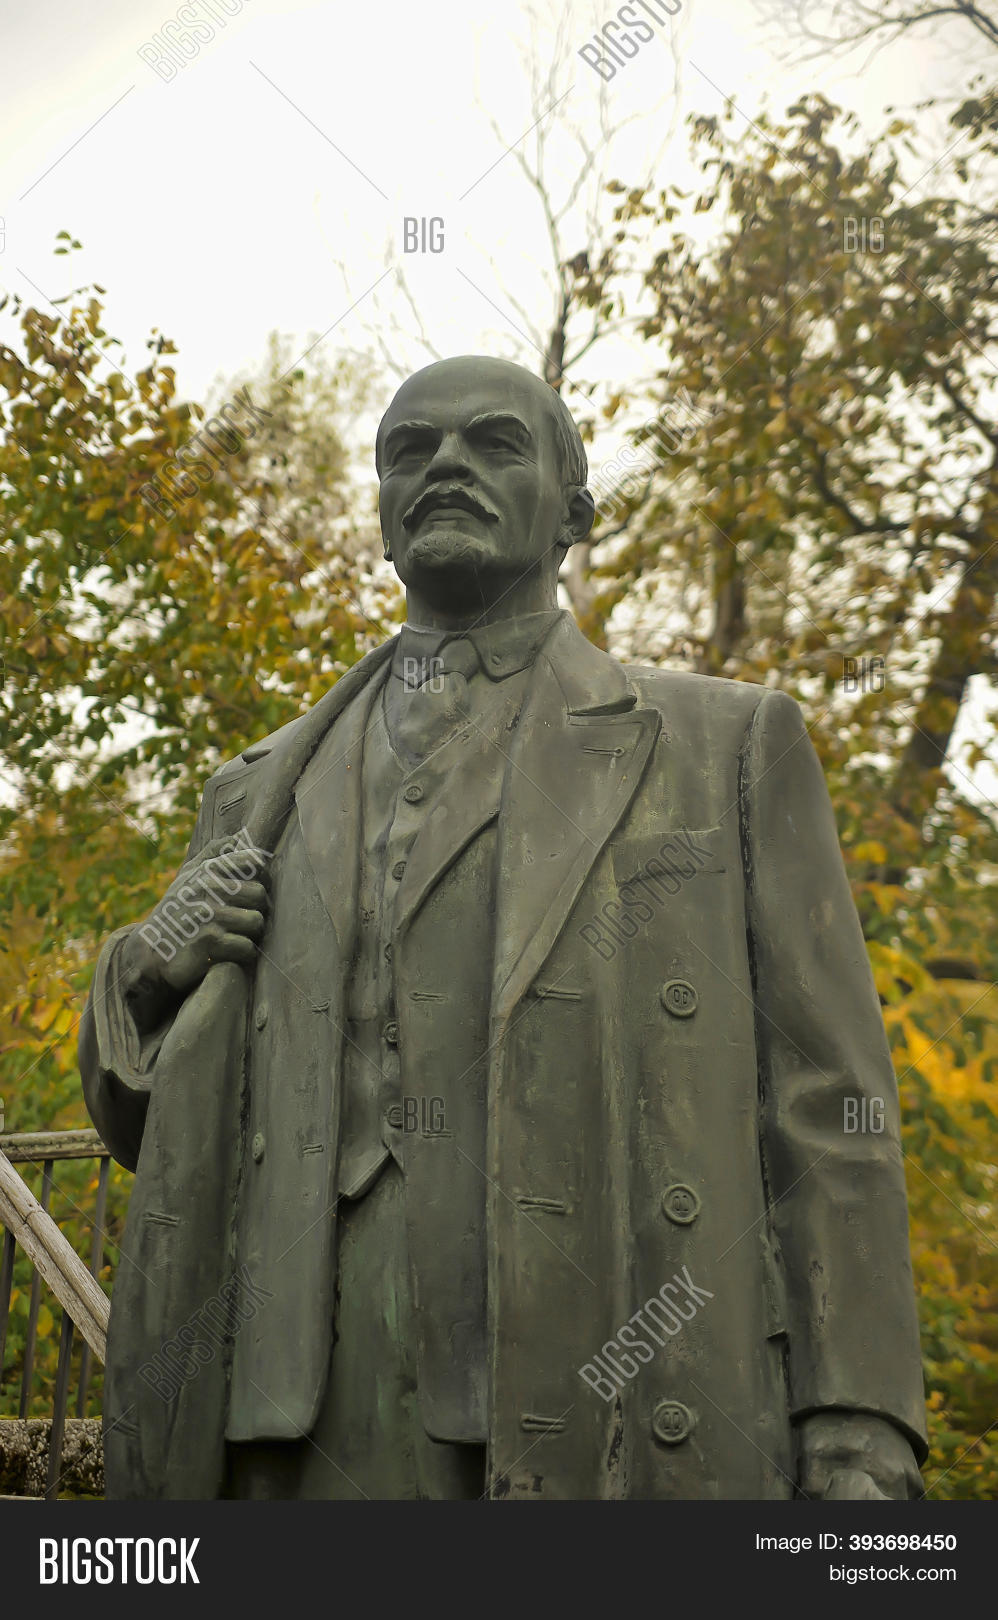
424	612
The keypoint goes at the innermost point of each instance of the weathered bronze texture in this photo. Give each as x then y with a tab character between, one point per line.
493	1070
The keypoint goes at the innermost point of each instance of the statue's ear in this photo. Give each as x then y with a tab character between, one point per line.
580	517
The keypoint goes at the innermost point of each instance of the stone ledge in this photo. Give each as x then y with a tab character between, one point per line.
24	1457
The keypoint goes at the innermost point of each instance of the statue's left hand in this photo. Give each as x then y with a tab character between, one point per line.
852	1457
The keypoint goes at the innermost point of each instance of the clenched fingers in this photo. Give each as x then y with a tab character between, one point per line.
233	948
234	920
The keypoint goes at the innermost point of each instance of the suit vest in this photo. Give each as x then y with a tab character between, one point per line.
416	1032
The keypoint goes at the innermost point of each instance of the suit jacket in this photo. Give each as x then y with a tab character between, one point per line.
683	1029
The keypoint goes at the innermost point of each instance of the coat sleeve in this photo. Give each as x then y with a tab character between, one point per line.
830	1143
117	1060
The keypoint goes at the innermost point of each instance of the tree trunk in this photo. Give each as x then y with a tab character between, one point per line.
964	650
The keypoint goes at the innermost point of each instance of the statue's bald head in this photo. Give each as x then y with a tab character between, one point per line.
466	369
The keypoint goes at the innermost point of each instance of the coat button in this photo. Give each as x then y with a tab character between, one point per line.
391	1034
258	1146
398	869
261	1015
671	1422
681	1204
394	1116
679	998
413	793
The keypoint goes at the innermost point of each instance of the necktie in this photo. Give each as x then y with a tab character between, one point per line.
434	699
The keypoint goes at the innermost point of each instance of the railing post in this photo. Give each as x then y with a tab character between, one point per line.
6	1284
96	1256
36	1294
59	1409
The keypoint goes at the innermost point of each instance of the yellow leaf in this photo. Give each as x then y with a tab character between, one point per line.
63	1023
45	1014
872	850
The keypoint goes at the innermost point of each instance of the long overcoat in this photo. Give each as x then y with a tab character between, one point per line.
696	1222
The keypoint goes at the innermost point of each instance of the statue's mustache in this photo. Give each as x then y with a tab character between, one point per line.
457	498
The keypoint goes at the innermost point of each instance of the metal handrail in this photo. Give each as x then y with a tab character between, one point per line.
84	1303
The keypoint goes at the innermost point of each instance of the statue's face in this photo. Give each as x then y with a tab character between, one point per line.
471	481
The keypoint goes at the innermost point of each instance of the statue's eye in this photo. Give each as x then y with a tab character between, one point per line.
406	449
502	439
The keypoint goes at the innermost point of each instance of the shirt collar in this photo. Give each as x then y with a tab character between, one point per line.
503	648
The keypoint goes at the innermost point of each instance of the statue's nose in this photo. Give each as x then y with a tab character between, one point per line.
450	459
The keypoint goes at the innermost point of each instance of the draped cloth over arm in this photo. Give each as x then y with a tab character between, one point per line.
175	1107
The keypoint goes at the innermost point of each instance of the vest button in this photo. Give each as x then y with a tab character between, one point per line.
413	793
258	1147
679	998
398	869
681	1204
391	1034
261	1015
671	1422
394	1116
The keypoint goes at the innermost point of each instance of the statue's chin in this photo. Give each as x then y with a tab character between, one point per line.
440	554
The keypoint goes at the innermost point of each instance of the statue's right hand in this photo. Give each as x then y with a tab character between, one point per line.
215	910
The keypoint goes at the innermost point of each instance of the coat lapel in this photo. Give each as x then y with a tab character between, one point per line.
328	797
578	756
294	746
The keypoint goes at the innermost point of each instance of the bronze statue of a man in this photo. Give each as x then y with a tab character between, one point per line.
505	1081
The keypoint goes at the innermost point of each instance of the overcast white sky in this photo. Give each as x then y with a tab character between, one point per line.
211	207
